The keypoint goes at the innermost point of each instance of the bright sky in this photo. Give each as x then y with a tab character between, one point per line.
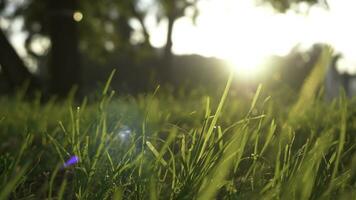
244	34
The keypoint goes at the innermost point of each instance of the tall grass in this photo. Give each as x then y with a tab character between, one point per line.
160	147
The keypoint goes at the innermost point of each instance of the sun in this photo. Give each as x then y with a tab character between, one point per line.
246	35
237	32
246	67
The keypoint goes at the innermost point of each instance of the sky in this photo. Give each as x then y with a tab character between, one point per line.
244	34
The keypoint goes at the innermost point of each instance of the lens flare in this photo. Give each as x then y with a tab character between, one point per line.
71	161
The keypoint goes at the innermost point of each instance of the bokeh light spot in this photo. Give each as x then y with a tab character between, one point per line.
77	16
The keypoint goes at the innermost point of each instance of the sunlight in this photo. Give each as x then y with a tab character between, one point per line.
245	35
248	35
246	67
239	33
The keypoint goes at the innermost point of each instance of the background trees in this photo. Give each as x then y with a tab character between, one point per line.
95	29
284	5
11	64
109	32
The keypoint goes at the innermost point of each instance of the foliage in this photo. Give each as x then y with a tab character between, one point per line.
284	5
162	147
176	9
106	25
102	23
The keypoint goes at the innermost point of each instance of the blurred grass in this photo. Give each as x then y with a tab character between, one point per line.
157	146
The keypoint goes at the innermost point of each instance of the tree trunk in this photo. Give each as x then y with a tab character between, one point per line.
169	42
140	18
64	69
11	64
166	67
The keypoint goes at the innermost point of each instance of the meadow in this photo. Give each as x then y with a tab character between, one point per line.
160	146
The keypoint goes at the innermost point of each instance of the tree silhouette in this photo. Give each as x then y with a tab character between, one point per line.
105	29
173	10
13	67
55	20
65	66
284	5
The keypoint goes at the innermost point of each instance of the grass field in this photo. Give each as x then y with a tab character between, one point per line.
157	146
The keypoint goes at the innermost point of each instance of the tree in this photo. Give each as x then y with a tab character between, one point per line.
58	22
173	10
12	65
65	69
104	29
284	5
54	20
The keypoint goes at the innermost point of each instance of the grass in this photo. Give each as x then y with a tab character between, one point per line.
157	146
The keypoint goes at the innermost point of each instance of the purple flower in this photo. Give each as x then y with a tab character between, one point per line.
71	161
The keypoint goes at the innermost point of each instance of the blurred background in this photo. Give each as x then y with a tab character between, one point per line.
54	46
